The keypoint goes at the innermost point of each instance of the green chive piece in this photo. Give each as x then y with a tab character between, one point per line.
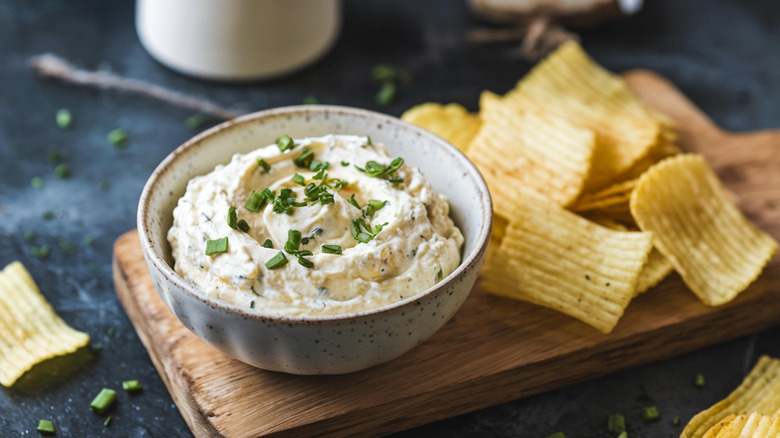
252	304
37	182
386	95
268	244
218	246
650	413
616	423
304	159
699	381
298	179
62	171
368	140
40	251
67	246
88	240
345	163
293	241
131	385
285	142
108	420
29	235
256	201
439	275
194	122
64	118
305	262
54	156
242	225
45	426
310	100
354	202
676	421
276	261
117	137
48	215
383	73
623	434
557	435
232	217
103	400
263	165
110	331
331	249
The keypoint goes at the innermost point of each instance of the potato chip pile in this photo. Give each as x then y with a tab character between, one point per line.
30	330
594	202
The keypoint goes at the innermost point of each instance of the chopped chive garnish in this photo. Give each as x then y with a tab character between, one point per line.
29	235
40	251
304	253
368	140
252	304
345	163
62	170
699	381
131	385
439	275
117	137
232	217
263	165
194	122
67	246
285	142
218	246
37	182
331	249
305	159
242	225
388	172
268	244
384	73
305	262
316	166
45	426
110	331
64	118
676	421
55	157
557	435
386	95
650	413
354	202
310	100
305	241
48	215
108	420
616	423
376	205
276	261
103	400
257	200
298	179
88	240
320	175
623	434
293	241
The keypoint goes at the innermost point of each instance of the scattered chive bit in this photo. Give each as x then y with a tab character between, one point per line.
676	421
257	200
40	251
699	381
104	184
252	304
650	413
37	182
298	179
305	241
54	156
88	240
368	140
304	159
317	166
64	118
305	262
331	249
218	246
110	331
108	420
242	225
194	122
377	170
439	275
48	215
557	435
285	142
354	202
345	163
232	217
263	165
386	95
62	171
268	244
117	137
67	246
131	385
310	100
616	424
276	261
29	235
293	242
103	400
45	426
623	434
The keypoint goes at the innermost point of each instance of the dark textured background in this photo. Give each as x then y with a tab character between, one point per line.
723	54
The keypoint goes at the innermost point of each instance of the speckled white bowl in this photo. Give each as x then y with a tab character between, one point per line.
322	344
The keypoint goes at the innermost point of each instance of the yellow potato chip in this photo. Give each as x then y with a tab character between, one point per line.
656	269
612	198
759	392
554	258
452	122
30	330
699	228
529	150
656	154
570	84
754	425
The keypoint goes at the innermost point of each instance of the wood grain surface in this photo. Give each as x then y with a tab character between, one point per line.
493	350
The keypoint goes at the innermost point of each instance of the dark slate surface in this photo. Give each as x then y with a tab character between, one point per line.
723	54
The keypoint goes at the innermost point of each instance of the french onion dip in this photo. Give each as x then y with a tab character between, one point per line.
314	226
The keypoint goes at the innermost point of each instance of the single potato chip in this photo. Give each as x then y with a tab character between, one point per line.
30	330
524	149
759	392
451	122
656	269
570	84
754	425
699	228
551	257
612	198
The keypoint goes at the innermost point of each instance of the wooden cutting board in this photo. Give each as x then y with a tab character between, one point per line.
494	349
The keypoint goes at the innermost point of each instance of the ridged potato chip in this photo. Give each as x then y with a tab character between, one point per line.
552	257
699	228
522	148
451	122
30	330
570	84
611	198
656	269
759	392
754	425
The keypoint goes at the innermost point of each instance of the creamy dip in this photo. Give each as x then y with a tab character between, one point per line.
393	232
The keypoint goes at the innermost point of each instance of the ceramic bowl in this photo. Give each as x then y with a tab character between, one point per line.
315	344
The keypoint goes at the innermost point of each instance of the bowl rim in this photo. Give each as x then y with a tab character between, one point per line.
154	257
